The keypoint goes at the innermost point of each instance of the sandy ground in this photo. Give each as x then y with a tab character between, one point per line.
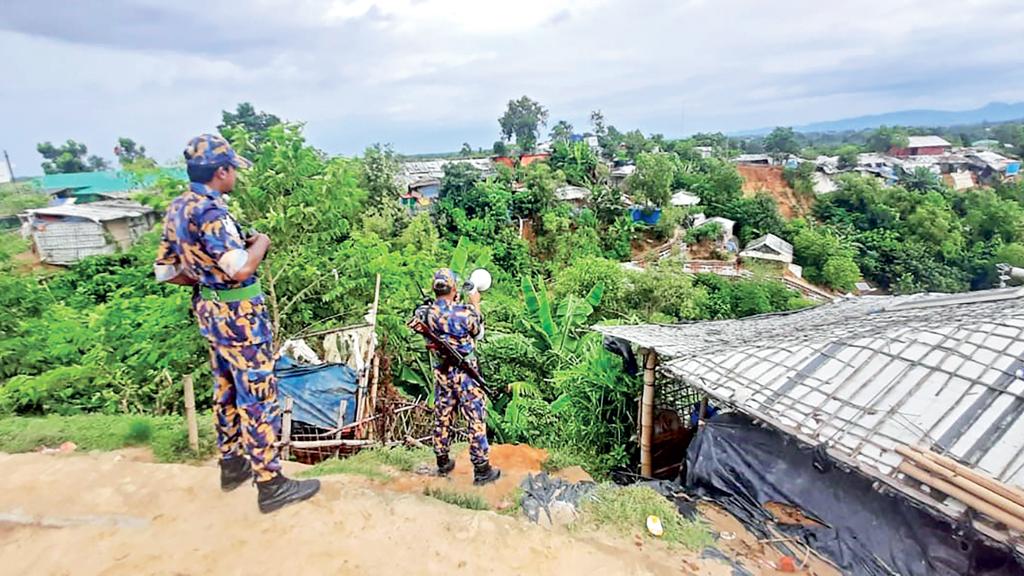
112	514
769	179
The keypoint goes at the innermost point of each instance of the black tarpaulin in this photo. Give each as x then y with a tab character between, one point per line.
742	466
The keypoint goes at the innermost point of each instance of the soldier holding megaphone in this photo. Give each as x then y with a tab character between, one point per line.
454	326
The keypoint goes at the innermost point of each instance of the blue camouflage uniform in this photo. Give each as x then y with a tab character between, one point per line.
459	325
198	231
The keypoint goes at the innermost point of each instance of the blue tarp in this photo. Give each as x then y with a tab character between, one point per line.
317	391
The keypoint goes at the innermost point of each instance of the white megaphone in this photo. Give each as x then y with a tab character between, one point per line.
479	281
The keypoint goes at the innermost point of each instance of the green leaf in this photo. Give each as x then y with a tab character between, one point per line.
459	257
413	377
561	403
594	297
530	296
547	323
572	314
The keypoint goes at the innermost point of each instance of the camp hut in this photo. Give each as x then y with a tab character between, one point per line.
885	418
65	234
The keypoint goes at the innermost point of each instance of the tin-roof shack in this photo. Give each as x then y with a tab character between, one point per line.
769	247
65	234
923	146
866	377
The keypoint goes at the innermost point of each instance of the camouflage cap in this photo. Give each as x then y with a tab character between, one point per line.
444	281
213	150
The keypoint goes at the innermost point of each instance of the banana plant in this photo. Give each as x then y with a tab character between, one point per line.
555	327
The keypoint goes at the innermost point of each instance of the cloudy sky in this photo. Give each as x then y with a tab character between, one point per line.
427	75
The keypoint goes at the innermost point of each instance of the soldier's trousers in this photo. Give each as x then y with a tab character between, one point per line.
246	414
453	389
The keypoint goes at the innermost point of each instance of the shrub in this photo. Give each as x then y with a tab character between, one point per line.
707	232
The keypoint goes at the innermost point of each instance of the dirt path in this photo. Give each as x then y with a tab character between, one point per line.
110	514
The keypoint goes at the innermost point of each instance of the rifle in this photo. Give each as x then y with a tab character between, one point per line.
437	344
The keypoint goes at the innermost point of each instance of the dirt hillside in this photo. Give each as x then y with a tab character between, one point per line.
108	514
769	179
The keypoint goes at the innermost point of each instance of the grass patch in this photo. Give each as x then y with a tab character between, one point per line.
625	510
166	435
465	500
374	463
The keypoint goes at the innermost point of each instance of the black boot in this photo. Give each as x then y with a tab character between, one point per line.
444	465
281	491
485	474
234	472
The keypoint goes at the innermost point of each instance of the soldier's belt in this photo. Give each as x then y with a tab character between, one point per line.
234	294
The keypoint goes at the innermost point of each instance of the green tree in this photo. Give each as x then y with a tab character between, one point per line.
990	218
522	120
886	138
651	183
132	156
561	132
65	159
781	142
922	180
634	143
253	123
577	161
841	272
98	164
801	178
597	123
500	148
466	150
847	156
458	180
756	216
538	192
379	174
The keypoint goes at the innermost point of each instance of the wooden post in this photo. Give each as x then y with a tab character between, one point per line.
286	429
374	367
190	413
647	412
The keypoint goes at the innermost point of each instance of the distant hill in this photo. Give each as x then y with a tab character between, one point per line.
992	112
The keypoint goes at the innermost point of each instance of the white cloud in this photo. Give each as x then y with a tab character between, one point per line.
429	74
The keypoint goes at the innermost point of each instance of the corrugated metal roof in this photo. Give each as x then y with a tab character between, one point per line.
411	172
108	181
95	211
771	241
926	141
684	198
863	375
569	193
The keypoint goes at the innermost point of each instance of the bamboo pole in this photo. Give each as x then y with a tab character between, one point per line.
374	365
190	412
1009	492
647	412
286	429
924	462
1011	521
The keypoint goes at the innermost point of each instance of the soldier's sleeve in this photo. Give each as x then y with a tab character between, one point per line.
220	238
168	263
473	321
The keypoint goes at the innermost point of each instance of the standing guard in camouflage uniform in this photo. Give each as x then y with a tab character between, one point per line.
203	248
459	324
